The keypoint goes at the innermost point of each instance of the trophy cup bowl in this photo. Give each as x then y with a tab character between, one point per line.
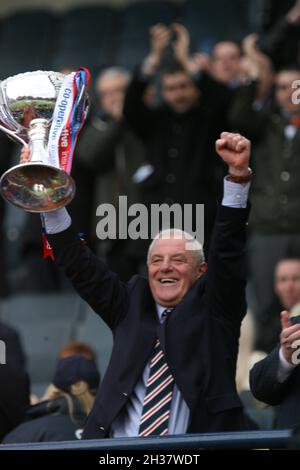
27	102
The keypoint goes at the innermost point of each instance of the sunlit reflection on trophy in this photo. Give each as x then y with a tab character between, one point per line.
46	111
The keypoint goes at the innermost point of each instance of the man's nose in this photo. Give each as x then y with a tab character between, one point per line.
290	286
166	265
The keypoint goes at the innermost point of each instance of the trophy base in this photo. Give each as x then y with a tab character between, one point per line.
36	187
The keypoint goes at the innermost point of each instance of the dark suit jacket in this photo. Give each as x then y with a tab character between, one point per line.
200	338
14	397
15	356
265	387
189	137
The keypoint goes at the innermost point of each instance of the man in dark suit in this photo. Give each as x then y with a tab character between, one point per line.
276	379
173	363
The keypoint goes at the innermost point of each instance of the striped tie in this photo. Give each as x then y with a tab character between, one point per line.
159	390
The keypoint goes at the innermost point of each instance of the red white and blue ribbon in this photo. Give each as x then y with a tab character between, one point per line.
68	118
47	249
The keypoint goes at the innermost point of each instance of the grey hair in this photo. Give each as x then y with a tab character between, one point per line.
113	72
193	244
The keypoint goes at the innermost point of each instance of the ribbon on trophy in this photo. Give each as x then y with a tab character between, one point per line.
68	118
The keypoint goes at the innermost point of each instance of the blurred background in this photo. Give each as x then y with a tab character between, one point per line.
263	38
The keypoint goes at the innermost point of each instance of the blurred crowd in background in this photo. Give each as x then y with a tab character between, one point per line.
166	80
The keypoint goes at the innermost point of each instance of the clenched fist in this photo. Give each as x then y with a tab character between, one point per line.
234	149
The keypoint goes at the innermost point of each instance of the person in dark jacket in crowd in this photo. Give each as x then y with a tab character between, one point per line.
276	379
280	38
62	416
287	290
179	134
14	397
275	214
15	356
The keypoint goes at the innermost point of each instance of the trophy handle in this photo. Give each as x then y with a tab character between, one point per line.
14	135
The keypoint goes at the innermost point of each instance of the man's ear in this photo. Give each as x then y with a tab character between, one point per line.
202	268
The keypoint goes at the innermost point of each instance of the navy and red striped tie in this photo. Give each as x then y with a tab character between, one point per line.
159	390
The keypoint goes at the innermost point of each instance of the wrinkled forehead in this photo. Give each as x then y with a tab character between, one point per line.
172	246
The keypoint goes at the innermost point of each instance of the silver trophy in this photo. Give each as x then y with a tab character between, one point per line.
27	103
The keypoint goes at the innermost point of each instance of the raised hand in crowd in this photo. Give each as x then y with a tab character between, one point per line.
254	54
160	36
257	65
200	61
289	334
293	15
181	47
181	43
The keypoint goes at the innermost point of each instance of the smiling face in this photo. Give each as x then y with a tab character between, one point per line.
172	271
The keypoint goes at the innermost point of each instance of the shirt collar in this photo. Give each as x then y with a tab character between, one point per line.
160	310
